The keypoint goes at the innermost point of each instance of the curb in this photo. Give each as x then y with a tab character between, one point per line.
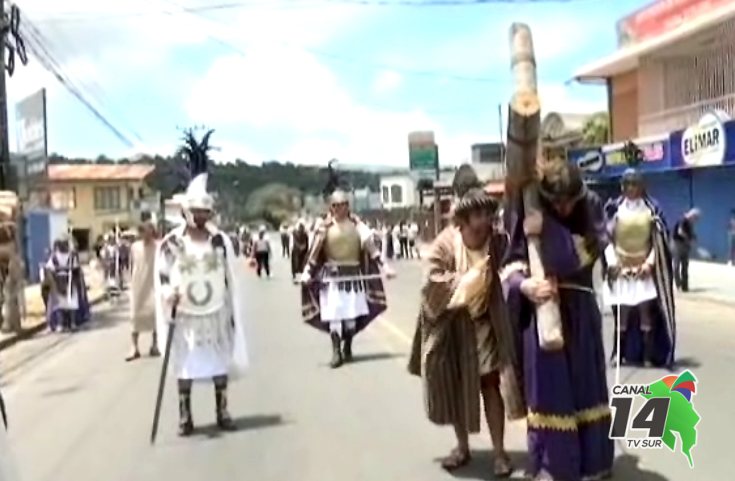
32	331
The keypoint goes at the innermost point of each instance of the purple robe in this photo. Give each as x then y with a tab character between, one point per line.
664	314
566	391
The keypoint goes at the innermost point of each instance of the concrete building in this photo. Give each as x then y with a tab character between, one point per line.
673	65
97	197
671	90
398	191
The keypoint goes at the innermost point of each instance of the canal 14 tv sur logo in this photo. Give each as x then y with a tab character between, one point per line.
651	416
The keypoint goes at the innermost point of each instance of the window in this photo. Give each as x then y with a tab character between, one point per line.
386	194
62	199
106	198
396	194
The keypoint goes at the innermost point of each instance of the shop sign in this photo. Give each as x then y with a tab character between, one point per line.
661	17
590	160
704	143
652	152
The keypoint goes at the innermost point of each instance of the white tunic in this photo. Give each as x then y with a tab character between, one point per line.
204	345
628	291
69	298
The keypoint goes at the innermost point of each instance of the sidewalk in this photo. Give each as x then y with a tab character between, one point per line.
711	281
35	320
708	281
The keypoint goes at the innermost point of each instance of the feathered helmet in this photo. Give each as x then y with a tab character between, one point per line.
469	193
335	191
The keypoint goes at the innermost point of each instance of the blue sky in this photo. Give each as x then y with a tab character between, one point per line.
304	80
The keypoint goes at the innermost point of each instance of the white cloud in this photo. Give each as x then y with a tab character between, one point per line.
571	99
291	90
387	81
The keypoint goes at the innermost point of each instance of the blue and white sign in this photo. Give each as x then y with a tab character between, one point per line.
705	143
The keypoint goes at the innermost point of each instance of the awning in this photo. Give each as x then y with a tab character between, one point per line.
626	59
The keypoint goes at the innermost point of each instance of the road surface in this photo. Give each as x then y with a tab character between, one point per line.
78	412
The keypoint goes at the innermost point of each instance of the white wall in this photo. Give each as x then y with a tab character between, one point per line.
394	184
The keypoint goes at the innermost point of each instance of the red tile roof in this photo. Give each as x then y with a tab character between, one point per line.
87	172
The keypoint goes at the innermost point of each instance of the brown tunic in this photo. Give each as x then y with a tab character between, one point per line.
447	351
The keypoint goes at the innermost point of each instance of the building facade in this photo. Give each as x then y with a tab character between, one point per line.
398	192
674	64
97	197
671	90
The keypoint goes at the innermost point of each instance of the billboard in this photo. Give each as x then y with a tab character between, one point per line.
423	154
30	119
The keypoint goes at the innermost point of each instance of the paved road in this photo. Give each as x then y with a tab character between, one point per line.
78	412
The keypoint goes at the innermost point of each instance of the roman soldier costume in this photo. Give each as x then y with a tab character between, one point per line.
198	290
342	291
639	283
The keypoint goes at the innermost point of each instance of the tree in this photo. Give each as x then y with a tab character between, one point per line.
596	130
275	203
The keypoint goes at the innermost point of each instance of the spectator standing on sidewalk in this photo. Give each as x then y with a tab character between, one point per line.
413	234
684	238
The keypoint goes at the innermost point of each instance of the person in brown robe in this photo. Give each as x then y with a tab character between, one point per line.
142	295
300	250
464	347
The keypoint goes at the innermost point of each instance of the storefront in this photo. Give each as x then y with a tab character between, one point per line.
687	168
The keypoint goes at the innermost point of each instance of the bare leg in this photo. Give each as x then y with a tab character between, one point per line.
135	351
154	352
460	455
495	417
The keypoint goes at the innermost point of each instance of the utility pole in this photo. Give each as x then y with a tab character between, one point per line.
4	144
12	282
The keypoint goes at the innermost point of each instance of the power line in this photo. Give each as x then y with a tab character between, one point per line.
37	48
43	43
87	17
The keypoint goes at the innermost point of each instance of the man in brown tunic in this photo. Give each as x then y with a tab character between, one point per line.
465	347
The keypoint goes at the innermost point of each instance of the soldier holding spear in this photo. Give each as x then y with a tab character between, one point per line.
557	231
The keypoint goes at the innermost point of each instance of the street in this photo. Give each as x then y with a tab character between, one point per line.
78	412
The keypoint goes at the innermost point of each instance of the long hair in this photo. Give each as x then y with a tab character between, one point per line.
562	181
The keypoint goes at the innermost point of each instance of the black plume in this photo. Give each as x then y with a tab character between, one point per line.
333	180
465	179
197	153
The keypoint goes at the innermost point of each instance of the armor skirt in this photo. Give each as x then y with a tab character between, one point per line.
342	300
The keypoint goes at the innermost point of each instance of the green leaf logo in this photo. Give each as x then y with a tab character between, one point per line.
682	418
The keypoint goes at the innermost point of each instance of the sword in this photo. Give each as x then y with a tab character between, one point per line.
162	380
325	280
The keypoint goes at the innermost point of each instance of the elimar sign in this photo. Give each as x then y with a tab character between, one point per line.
704	143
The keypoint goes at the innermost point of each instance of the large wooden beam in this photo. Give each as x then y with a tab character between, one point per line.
522	154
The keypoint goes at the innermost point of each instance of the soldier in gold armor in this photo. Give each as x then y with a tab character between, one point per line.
639	280
342	291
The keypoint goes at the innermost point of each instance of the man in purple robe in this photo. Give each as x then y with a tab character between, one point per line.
640	285
566	390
